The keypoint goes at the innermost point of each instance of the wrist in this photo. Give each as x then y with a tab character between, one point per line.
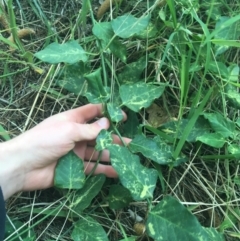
11	172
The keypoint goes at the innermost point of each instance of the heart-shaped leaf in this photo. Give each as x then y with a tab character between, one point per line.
69	172
96	92
157	151
139	95
115	112
220	124
140	181
119	197
170	220
88	229
69	52
127	25
104	32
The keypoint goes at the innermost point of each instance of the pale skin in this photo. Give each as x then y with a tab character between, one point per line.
28	161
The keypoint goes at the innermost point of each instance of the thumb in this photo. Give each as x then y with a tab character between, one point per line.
90	131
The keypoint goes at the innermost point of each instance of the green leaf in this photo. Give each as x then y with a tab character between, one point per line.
88	229
234	149
219	68
104	139
233	73
231	32
104	32
119	197
212	139
170	220
84	196
149	32
4	134
71	78
176	128
213	234
139	95
130	127
220	124
140	180
127	25
159	151
132	72
96	92
69	52
115	112
69	172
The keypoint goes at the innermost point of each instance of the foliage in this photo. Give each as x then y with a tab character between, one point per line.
177	55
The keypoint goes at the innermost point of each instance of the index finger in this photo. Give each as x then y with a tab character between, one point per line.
85	113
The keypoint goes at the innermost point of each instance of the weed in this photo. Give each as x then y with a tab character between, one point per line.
179	174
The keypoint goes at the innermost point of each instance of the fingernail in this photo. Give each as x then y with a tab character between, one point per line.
103	122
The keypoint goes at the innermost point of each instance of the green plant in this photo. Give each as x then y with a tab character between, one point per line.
187	69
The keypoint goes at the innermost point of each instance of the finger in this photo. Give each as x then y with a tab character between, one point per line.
85	113
87	132
104	169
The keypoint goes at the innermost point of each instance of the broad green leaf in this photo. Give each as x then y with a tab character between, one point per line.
84	196
234	149
232	95
118	50
69	52
149	32
104	32
119	197
115	112
104	139
214	235
127	25
170	220
71	78
139	95
132	72
176	128
4	134
130	127
220	124
69	172
141	181
159	152
96	92
219	68
88	229
212	139
233	73
231	32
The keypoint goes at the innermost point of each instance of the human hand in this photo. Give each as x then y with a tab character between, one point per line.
33	156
